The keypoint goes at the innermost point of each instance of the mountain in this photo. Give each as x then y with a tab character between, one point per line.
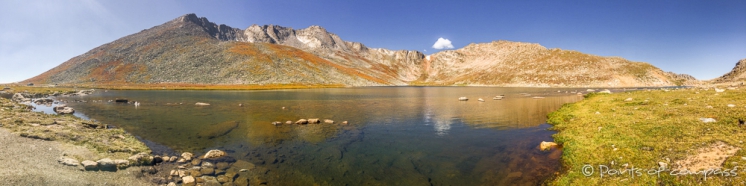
193	50
738	74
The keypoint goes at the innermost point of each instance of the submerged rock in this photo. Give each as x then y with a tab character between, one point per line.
547	145
214	154
218	130
63	109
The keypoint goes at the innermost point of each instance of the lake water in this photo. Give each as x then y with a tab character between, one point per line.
395	135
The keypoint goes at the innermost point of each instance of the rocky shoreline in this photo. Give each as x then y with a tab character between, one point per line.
108	150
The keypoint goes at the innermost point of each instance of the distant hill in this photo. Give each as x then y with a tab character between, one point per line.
737	75
192	50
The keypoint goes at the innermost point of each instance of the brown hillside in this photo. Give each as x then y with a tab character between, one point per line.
192	50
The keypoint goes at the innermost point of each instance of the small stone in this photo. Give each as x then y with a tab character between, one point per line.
195	173
314	121
214	154
244	170
222	165
707	120
731	105
196	162
187	156
207	164
662	165
159	180
207	171
171	184
598	112
223	179
201	104
68	161
344	123
173	158
89	165
288	122
302	121
188	179
628	99
329	121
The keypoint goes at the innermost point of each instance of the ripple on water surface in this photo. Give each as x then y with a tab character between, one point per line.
395	136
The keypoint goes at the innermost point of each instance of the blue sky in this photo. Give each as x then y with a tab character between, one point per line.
701	38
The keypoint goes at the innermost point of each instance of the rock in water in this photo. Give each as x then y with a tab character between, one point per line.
314	121
201	104
218	130
547	145
187	156
329	121
214	154
302	121
187	180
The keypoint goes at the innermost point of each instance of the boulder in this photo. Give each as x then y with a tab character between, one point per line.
547	145
89	165
141	159
18	97
68	161
302	121
214	154
314	121
122	164
463	99
201	104
188	180
63	109
157	159
43	101
187	156
329	121
173	159
107	164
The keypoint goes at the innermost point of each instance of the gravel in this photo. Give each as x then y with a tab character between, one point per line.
26	161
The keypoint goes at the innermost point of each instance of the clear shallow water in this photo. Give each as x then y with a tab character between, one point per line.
396	135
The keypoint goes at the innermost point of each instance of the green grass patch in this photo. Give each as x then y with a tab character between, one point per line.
654	126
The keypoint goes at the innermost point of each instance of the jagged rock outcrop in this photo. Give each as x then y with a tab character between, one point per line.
738	74
193	50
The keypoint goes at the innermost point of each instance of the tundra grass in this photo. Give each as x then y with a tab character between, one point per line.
609	139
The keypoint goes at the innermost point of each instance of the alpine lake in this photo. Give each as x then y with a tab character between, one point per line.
393	135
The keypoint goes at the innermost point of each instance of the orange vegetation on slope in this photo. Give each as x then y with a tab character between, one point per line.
280	51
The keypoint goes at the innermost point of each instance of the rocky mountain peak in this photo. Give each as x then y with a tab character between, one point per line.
738	73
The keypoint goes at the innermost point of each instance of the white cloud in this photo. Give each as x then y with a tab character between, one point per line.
442	44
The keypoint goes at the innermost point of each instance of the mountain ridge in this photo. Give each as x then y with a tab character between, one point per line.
193	50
